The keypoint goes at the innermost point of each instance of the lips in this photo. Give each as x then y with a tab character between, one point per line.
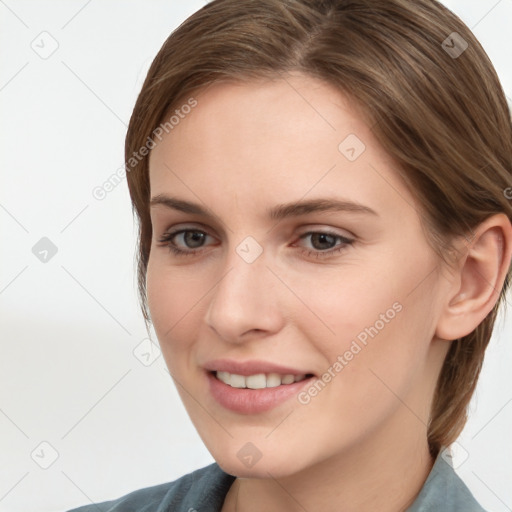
258	380
238	386
252	367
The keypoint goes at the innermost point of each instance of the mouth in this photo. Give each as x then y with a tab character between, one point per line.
256	393
259	380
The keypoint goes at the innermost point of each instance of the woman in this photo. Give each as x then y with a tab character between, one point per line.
325	240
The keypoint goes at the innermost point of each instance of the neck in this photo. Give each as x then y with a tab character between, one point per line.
375	475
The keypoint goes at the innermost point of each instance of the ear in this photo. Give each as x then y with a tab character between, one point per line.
477	282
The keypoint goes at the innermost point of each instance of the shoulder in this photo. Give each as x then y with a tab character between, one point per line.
203	489
445	491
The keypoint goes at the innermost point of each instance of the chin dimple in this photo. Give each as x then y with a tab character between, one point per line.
259	380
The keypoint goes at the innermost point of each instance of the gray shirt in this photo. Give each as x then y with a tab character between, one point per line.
205	489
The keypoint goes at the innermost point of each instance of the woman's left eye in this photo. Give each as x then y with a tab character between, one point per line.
325	244
187	242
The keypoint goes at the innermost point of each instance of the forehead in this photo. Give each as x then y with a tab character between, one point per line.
296	107
295	136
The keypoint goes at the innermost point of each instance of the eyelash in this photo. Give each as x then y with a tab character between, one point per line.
166	240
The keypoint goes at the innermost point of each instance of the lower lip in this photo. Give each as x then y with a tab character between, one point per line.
253	401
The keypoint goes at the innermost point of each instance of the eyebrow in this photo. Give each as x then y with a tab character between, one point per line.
278	212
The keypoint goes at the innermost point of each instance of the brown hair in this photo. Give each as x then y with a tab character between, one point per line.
442	117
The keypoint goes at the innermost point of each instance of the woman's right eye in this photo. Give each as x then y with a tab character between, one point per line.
184	242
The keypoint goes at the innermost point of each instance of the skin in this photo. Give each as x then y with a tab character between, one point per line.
362	441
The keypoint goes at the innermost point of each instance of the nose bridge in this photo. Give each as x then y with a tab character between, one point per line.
244	299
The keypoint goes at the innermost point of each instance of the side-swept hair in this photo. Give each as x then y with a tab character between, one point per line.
436	107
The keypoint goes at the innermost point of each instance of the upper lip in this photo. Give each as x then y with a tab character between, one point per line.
252	367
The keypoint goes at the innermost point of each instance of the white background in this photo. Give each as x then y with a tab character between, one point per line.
69	326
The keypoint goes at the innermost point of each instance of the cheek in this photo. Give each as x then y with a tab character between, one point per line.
374	365
376	319
174	301
345	302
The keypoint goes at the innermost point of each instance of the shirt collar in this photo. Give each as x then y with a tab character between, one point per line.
444	490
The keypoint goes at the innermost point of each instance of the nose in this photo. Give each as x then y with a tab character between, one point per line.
245	303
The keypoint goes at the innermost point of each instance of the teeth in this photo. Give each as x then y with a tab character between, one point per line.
259	380
237	381
287	379
273	380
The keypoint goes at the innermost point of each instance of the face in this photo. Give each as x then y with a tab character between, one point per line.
284	243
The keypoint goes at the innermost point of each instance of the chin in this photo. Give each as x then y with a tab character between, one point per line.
266	467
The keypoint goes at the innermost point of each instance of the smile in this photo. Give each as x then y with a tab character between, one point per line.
259	380
257	393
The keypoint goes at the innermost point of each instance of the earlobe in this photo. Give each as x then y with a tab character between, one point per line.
479	278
